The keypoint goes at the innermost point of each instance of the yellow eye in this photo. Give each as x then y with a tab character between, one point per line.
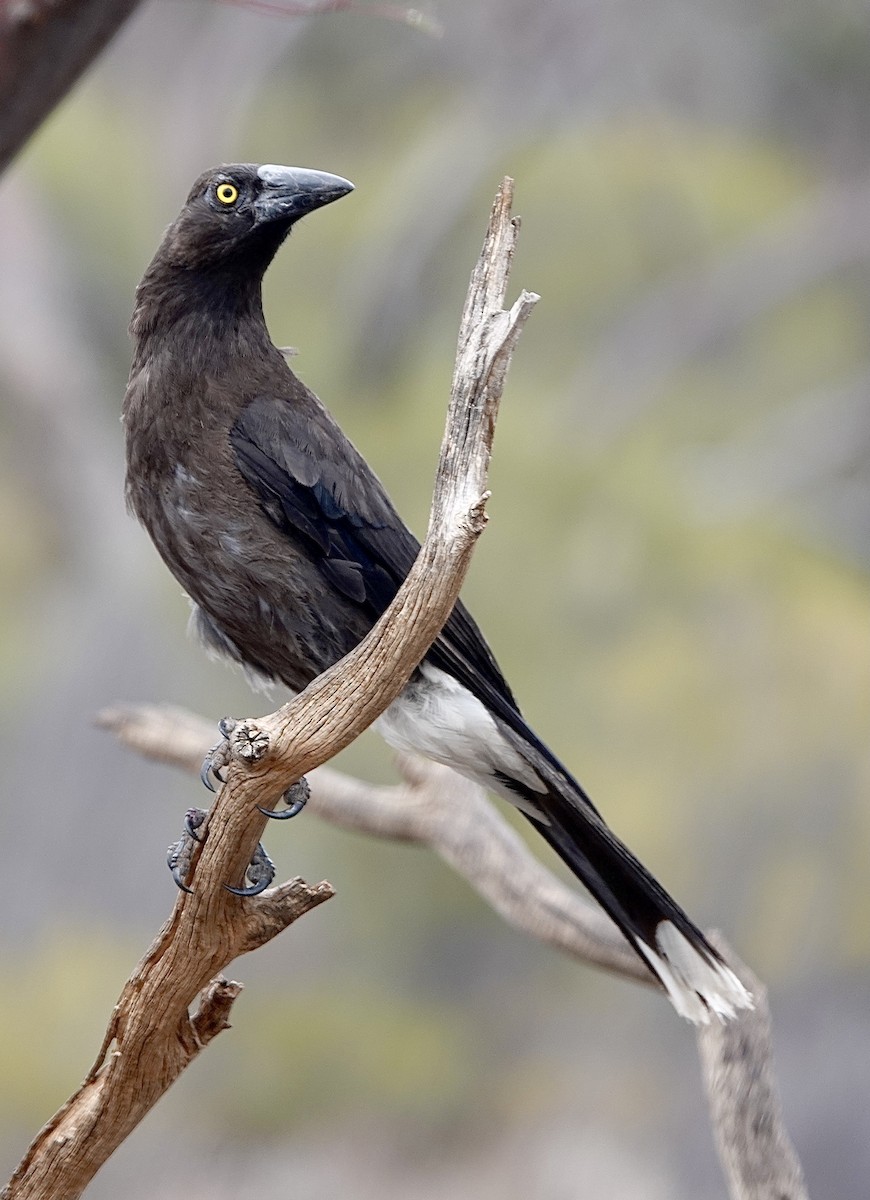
227	193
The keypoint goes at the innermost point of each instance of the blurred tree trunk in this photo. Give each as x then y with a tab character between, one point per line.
45	45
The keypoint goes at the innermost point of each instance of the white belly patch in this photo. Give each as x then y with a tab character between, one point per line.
440	719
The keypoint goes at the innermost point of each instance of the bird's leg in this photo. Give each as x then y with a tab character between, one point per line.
180	853
219	757
260	872
296	797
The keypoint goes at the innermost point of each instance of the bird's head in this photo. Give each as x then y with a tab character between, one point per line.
240	214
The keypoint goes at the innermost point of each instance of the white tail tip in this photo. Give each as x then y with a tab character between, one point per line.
698	987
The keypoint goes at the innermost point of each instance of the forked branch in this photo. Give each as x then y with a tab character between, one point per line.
439	809
151	1037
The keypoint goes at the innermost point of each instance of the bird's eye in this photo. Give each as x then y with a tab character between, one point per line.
227	193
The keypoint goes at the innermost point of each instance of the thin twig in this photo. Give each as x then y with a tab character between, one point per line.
414	17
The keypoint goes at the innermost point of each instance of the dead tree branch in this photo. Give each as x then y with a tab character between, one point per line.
437	808
151	1038
755	1150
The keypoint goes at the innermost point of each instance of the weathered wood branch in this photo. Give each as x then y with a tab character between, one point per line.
755	1150
151	1038
437	808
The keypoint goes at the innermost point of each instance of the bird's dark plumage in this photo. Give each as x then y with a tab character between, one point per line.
290	548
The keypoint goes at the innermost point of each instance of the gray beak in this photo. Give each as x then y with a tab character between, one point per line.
290	192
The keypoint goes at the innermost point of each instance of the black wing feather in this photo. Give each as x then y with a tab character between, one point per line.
319	490
316	488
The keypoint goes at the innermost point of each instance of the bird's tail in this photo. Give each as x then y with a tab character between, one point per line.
439	717
697	981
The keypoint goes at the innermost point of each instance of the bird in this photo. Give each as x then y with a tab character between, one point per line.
289	548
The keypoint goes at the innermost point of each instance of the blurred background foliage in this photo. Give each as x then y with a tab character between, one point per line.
675	577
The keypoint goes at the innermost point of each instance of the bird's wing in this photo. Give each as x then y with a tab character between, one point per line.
319	491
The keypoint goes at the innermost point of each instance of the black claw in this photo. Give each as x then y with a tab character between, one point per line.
218	757
213	767
179	854
210	770
260	871
296	797
179	882
253	890
193	819
179	864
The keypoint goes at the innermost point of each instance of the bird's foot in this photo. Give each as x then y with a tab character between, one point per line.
243	739
259	873
219	757
296	797
180	854
240	739
193	819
